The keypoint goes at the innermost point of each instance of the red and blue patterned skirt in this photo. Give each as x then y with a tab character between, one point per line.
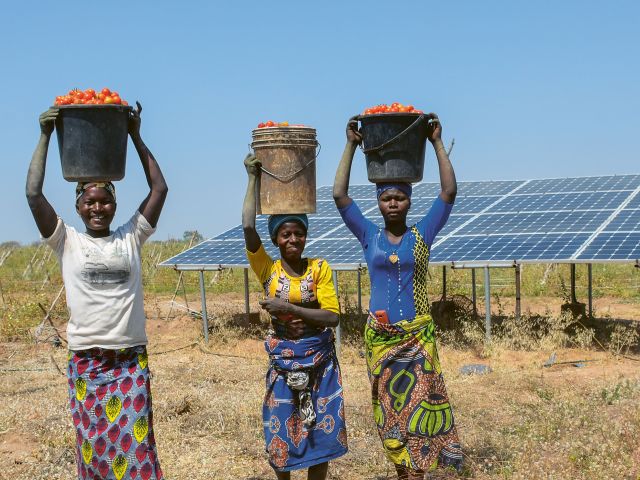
110	399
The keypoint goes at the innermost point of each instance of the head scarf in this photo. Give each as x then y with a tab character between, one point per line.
276	221
82	186
402	186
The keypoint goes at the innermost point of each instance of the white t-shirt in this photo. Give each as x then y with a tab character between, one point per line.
103	282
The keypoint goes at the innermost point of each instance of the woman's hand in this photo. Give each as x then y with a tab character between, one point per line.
293	328
48	120
253	165
278	307
134	121
434	128
283	316
353	134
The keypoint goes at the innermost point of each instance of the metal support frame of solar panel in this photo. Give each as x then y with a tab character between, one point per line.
494	223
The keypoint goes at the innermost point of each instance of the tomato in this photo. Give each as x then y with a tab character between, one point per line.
124	102
106	92
90	91
116	99
108	100
395	107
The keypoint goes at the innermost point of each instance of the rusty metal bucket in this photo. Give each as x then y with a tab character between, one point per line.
288	180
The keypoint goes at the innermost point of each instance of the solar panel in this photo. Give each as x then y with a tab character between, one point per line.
582	219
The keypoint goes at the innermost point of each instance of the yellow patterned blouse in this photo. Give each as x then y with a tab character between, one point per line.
313	289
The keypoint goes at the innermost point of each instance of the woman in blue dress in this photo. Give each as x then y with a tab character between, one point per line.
410	404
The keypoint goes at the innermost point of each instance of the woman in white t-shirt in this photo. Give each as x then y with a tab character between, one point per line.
109	390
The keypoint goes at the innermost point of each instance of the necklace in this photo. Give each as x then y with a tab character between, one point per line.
393	258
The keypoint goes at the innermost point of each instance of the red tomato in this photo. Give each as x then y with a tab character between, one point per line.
106	92
108	100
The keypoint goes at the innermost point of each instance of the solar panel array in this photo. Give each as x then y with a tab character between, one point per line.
584	219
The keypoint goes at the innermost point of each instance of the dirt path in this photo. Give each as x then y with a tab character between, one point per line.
520	421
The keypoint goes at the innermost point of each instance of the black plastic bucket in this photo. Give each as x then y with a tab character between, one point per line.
394	146
93	141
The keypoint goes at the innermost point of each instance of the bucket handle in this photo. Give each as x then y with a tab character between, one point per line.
289	176
397	137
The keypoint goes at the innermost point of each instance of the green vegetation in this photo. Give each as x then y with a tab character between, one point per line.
30	280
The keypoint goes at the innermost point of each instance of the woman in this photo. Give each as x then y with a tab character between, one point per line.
303	410
410	403
109	389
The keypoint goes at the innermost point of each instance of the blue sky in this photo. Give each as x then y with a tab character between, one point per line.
527	89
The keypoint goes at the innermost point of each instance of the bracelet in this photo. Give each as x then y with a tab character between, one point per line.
440	148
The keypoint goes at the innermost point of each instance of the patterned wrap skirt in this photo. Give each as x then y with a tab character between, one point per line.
410	403
289	443
110	399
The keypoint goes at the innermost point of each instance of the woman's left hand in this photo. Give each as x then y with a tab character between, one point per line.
434	128
134	121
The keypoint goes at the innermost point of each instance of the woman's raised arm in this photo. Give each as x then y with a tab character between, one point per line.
151	206
341	182
448	182
251	237
43	213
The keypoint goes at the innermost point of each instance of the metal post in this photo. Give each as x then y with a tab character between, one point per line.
203	301
246	291
444	282
518	309
473	292
338	334
487	302
573	283
590	281
359	290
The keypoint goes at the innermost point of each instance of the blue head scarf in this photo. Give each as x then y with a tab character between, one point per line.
276	221
402	186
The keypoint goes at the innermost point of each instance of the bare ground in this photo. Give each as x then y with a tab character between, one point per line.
520	421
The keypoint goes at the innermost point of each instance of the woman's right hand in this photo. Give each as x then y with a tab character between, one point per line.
293	328
48	120
353	134
253	165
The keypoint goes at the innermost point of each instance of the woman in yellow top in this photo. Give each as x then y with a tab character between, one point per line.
303	410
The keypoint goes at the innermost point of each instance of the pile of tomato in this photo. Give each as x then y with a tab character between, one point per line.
395	107
271	123
90	97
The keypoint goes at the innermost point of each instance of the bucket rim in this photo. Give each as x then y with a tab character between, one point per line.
290	128
256	145
85	106
389	114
